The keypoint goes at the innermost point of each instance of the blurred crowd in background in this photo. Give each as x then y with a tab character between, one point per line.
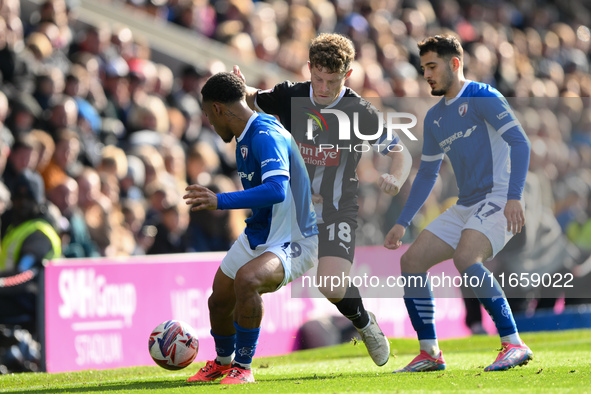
117	137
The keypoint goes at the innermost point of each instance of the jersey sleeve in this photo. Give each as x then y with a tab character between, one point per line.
495	109
274	101
271	151
270	192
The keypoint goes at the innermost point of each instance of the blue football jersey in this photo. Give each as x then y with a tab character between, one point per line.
266	149
475	130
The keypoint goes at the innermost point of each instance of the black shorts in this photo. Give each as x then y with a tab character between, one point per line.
337	239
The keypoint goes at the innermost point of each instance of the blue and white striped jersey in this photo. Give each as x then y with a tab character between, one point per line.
479	133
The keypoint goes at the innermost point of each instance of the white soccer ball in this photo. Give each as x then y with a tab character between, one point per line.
173	345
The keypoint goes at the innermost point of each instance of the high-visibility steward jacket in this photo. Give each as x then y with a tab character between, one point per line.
15	236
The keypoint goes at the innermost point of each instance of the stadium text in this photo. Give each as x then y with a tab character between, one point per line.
87	295
98	349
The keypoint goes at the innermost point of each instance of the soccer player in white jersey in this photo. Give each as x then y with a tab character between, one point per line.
280	242
489	152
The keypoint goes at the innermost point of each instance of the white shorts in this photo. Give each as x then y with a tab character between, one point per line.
297	257
487	217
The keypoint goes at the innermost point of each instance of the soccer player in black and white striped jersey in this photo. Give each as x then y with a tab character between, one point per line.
331	161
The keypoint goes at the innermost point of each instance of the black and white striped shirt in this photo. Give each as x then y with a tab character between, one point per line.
331	160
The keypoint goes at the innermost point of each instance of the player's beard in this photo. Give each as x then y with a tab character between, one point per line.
225	133
446	82
228	138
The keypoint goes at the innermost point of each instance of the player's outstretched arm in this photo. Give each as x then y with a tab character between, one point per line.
394	236
272	191
513	134
201	198
251	92
419	192
399	169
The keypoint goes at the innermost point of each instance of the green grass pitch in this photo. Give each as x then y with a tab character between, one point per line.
561	364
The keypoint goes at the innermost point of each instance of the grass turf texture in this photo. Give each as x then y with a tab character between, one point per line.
561	364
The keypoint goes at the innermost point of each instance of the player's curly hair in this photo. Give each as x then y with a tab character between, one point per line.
446	46
224	87
334	52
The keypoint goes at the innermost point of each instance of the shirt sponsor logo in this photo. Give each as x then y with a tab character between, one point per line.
245	175
319	157
275	160
502	115
469	131
445	145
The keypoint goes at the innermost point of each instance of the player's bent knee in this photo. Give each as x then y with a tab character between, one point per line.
249	281
406	262
463	260
246	281
332	293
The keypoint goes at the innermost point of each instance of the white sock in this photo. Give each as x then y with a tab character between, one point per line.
431	346
224	360
513	339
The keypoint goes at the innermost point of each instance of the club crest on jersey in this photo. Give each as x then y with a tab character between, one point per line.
462	109
244	151
315	126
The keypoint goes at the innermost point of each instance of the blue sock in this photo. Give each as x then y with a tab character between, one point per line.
420	305
224	346
246	344
491	296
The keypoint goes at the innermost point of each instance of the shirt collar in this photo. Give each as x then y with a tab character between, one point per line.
250	120
343	90
451	101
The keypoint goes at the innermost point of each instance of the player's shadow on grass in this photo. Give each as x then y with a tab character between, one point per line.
339	375
165	386
153	385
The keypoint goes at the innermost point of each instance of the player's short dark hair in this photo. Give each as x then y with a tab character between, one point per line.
224	87
333	52
446	46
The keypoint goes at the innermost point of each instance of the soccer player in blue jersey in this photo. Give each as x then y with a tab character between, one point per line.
489	152
280	241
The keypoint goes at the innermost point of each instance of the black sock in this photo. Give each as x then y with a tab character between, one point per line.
242	366
351	306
